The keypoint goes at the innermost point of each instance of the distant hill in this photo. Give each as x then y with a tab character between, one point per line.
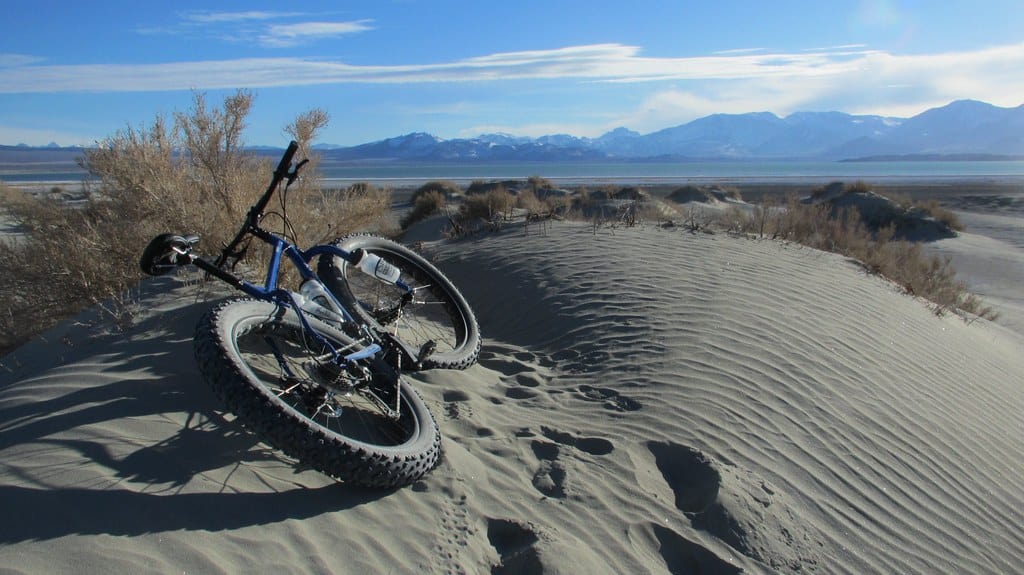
958	130
23	154
961	130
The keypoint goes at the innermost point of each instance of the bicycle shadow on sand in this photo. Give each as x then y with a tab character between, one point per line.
129	412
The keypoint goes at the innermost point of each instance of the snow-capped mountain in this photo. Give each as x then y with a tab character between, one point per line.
964	127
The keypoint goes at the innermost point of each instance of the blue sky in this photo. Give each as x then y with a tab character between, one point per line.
76	72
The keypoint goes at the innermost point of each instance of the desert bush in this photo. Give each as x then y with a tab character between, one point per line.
448	190
858	187
636	213
735	220
425	204
829	190
934	209
327	215
489	206
477	187
688	193
629	193
905	263
191	175
528	201
538	183
485	187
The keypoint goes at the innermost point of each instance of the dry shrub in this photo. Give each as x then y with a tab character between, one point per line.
538	183
582	197
328	214
449	190
489	206
425	204
735	220
858	187
528	201
934	209
828	191
484	186
688	193
189	176
905	263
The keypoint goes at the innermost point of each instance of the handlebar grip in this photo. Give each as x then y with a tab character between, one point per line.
286	160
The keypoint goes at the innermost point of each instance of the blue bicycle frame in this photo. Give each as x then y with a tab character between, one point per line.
168	250
270	291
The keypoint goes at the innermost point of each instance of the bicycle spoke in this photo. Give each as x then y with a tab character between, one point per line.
294	371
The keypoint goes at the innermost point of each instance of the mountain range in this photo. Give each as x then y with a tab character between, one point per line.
964	129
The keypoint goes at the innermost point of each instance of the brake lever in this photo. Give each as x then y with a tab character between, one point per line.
294	174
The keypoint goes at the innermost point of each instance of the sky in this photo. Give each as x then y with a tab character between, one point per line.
77	72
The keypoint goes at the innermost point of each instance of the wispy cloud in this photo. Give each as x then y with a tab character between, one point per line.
285	35
738	51
207	17
268	29
7	60
786	78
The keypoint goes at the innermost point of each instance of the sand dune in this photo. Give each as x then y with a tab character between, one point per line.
647	401
989	256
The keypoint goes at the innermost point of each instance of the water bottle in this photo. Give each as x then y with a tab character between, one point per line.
377	267
313	298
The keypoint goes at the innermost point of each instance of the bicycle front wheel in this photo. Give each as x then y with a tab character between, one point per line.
362	424
437	317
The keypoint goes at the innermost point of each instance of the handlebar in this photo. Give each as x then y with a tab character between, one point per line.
283	173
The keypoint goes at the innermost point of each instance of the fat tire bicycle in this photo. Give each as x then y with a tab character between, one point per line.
318	373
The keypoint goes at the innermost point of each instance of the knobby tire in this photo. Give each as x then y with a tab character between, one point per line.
304	413
439	315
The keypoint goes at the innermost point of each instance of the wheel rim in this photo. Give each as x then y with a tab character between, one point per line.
334	400
429	318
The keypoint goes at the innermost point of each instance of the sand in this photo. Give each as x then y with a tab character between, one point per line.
647	401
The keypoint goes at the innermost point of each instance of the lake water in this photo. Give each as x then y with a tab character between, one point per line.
414	173
673	172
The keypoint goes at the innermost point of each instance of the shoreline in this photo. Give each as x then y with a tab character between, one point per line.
752	189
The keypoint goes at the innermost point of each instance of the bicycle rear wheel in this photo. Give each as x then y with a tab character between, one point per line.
438	316
363	425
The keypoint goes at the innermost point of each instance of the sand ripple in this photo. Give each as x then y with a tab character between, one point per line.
894	435
646	400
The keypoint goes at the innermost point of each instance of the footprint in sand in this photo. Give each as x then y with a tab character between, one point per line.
580	363
509	366
532	358
684	556
692	476
515	543
520	393
550	476
591	445
611	398
743	511
455	405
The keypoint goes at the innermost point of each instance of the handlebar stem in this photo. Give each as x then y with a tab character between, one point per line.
282	173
